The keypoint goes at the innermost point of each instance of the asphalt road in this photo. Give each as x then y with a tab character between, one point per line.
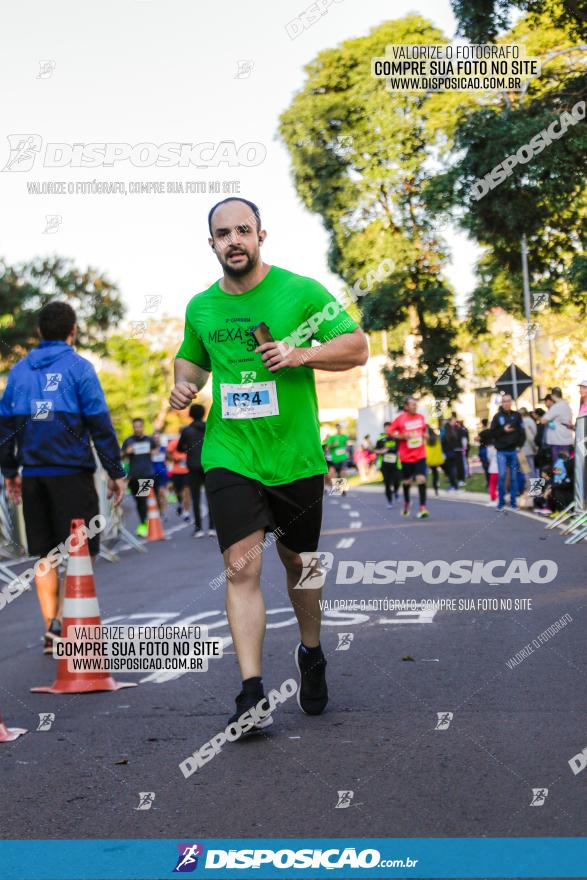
512	729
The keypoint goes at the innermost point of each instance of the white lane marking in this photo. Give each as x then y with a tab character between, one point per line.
345	506
422	615
330	617
354	513
356	524
345	543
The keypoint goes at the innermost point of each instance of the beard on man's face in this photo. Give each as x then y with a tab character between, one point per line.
237	261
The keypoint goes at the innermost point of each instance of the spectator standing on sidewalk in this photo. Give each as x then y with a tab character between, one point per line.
434	456
583	397
509	436
529	449
492	474
558	421
451	447
484	439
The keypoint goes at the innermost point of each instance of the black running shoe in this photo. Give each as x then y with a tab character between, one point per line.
312	692
53	633
245	702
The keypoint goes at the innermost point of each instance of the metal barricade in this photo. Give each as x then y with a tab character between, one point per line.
115	531
573	518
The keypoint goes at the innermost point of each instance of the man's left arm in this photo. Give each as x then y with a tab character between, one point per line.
341	353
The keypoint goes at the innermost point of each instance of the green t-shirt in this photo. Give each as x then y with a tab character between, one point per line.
337	444
267	428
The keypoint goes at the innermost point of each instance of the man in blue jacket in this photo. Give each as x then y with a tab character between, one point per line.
53	406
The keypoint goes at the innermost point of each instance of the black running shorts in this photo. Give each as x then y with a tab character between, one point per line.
241	506
50	504
411	469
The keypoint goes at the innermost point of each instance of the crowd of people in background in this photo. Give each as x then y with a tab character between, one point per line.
523	448
173	468
522	452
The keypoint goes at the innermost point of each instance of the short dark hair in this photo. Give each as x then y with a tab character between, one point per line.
196	411
138	419
251	205
556	392
385	424
56	320
484	421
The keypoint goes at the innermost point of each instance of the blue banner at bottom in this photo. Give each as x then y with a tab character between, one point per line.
286	858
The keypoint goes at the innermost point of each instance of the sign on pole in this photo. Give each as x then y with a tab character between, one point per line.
513	381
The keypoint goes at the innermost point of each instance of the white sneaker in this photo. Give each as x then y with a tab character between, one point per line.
491	504
211	533
186	517
199	534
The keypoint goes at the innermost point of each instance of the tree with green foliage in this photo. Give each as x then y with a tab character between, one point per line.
360	157
482	20
136	380
25	288
543	197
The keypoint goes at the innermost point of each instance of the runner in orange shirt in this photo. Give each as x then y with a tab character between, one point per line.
410	429
179	477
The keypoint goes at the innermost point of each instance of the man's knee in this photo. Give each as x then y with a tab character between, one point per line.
292	561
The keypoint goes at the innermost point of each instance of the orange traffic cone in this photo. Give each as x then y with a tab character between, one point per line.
155	532
80	608
7	734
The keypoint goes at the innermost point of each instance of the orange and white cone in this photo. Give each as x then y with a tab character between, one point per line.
155	532
8	734
80	609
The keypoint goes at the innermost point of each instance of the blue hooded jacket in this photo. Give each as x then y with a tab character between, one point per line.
52	406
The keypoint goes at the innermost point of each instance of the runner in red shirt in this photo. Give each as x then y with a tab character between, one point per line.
410	429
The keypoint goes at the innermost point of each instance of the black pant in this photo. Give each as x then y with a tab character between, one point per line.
196	482
451	467
435	477
460	466
140	500
390	475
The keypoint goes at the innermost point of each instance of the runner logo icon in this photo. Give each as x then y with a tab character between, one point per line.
344	799
315	567
53	380
23	151
344	641
42	410
146	799
46	720
187	861
444	719
145	486
539	795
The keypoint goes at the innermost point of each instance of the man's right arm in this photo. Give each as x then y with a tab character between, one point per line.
189	379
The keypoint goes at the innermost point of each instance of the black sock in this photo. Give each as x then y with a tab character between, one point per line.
422	491
253	686
406	494
312	652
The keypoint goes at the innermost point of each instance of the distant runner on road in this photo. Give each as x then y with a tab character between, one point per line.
337	446
262	454
410	429
389	463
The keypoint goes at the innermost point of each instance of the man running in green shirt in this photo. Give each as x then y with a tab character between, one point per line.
262	453
337	444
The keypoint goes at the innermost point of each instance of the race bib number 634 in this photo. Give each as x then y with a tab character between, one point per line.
249	401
